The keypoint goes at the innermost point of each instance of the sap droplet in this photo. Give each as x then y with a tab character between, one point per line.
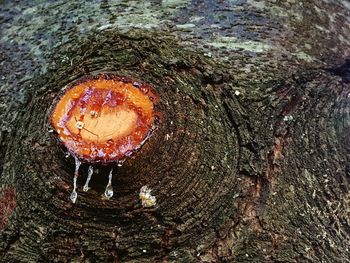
128	153
73	197
110	142
109	188
90	172
86	151
93	114
80	125
109	192
136	84
145	90
100	153
74	194
120	162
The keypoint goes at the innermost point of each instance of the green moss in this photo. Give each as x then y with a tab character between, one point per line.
236	44
302	55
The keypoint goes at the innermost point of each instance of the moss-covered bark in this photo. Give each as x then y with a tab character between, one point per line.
250	162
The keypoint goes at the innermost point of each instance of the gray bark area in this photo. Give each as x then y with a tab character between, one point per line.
250	162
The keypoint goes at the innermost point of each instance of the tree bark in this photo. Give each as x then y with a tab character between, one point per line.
250	162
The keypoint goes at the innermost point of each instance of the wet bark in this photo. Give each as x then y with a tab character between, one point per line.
250	162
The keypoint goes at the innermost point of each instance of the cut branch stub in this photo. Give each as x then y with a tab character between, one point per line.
104	118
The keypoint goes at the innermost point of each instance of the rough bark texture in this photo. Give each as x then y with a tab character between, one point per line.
250	162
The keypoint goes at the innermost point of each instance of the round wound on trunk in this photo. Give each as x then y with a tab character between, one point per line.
104	118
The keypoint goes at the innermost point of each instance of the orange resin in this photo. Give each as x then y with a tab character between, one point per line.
104	118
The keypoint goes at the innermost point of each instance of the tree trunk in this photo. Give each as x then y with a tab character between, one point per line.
250	162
